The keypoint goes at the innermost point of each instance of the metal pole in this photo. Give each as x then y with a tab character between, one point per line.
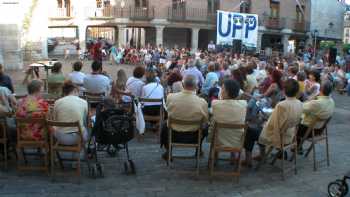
315	44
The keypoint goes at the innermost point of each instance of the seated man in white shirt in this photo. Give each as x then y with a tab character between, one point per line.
152	90
96	82
76	76
70	108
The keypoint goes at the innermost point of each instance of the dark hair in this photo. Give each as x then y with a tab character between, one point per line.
250	67
232	88
291	87
96	65
301	76
34	86
293	69
68	87
56	68
77	66
211	67
237	75
326	88
316	74
139	71
277	78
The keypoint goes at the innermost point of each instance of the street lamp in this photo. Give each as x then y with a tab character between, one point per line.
315	33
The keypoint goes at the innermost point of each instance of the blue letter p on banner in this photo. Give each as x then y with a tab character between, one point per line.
237	26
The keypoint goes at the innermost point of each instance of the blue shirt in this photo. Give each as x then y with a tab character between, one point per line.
195	72
210	81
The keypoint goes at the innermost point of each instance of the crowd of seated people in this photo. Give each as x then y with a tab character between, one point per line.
207	87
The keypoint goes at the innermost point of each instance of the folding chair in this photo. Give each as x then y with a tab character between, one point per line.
158	119
38	145
3	136
172	144
216	148
93	99
282	148
317	138
54	88
56	147
3	140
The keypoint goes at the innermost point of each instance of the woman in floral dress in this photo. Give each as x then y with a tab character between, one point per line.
35	107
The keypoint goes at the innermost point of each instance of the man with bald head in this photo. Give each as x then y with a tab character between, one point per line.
185	105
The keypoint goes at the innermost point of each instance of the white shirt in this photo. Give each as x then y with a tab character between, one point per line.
77	77
134	85
97	83
152	91
76	107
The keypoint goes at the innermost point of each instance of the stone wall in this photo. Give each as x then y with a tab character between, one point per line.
10	46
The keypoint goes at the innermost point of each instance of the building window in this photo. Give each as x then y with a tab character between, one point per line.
213	6
300	15
178	4
274	8
141	3
99	3
244	6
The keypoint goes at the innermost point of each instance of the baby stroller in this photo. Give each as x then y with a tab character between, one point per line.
113	128
339	187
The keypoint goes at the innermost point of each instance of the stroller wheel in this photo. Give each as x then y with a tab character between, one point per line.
126	168
132	167
100	169
337	189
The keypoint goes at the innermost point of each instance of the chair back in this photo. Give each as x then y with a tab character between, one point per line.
22	122
284	131
157	102
55	88
173	121
218	126
51	123
94	97
314	123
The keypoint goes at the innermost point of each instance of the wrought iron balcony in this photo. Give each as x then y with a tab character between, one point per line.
186	14
62	13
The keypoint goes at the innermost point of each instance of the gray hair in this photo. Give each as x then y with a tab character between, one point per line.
34	86
190	82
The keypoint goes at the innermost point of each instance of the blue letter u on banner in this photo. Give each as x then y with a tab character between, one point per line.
229	25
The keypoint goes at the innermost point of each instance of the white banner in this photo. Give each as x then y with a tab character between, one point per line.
237	26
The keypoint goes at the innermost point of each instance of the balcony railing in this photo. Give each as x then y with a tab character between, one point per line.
141	13
272	22
191	15
62	13
117	12
285	23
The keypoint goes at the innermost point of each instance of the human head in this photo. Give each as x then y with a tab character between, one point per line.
68	88
301	76
230	89
139	71
211	67
34	87
1	69
293	70
77	66
291	88
56	68
314	76
96	66
190	83
326	88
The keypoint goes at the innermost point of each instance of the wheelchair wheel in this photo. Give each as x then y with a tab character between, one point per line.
100	170
337	189
132	167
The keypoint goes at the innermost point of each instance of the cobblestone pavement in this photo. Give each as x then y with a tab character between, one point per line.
155	179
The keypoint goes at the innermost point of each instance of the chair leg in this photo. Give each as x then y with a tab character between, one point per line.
78	167
327	151
52	166
197	161
282	164
295	159
239	167
314	155
5	155
263	161
308	150
212	160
